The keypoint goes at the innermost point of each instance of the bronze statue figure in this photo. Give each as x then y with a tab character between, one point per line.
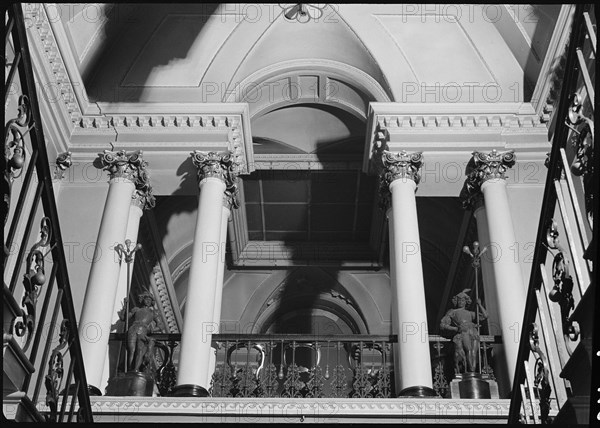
143	320
462	322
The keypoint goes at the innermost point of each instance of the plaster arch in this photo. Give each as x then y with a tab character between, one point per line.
348	292
365	87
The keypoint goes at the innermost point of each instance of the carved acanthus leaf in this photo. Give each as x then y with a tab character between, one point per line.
222	166
483	167
400	165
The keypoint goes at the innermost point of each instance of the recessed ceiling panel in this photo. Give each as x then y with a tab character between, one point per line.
186	43
437	49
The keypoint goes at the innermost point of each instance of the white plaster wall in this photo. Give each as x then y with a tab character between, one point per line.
80	210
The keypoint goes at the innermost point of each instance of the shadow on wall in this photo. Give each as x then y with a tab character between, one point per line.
119	19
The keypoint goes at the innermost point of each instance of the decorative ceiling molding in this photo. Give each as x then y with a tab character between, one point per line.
462	121
453	127
130	125
40	28
344	72
548	84
158	121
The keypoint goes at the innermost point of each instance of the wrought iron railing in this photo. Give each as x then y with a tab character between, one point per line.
306	366
564	246
35	269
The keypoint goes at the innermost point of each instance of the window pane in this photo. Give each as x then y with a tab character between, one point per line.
285	217
332	217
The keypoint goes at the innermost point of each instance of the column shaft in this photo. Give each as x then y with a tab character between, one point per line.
198	323
412	356
219	290
96	314
491	298
510	289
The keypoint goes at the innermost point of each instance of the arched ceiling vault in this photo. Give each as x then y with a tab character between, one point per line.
308	85
204	52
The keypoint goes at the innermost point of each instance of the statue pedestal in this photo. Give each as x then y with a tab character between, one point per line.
473	385
135	384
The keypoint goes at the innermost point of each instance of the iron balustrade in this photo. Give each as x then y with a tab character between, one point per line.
305	366
562	275
51	328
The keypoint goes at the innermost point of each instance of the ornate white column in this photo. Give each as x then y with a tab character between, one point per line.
412	363
227	204
486	175
125	169
141	200
474	202
217	175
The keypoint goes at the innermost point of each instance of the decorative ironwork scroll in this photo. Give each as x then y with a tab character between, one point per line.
562	291
582	140
339	382
53	379
14	148
440	383
221	383
383	387
541	370
33	280
315	383
362	386
166	375
294	386
245	383
268	383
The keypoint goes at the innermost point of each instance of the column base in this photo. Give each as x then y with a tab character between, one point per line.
189	390
418	391
131	384
472	385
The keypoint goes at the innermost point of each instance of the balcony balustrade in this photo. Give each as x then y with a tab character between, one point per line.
306	366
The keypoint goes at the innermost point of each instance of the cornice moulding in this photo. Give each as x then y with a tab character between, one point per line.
463	127
43	32
541	98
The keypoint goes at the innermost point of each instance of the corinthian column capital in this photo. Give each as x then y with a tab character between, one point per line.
222	166
481	168
130	166
399	165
